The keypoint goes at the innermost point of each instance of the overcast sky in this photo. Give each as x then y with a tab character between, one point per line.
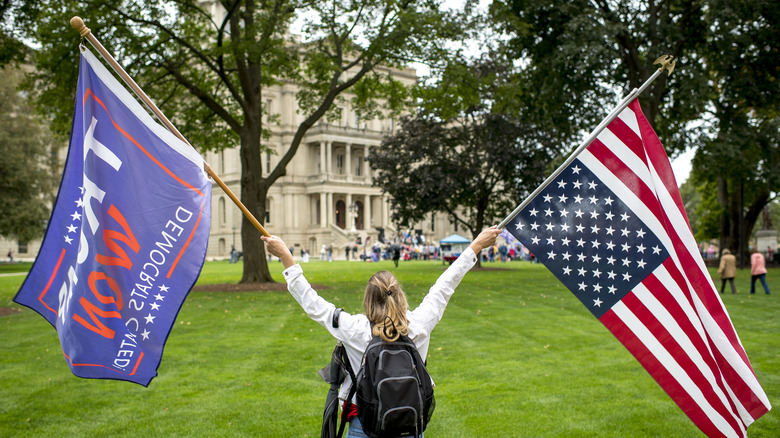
682	166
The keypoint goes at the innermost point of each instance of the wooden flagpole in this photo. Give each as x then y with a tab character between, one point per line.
667	63
86	33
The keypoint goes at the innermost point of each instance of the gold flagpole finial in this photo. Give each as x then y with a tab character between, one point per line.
667	63
78	24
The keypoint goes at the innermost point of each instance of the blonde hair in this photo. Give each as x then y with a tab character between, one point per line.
385	306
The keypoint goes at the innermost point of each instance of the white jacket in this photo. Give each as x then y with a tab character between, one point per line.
354	331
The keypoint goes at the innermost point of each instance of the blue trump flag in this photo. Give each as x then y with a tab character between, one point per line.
127	237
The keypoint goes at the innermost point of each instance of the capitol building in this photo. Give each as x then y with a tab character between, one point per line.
326	197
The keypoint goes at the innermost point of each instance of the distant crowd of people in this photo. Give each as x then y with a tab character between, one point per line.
403	247
410	247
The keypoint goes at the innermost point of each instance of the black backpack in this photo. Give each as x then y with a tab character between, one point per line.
394	390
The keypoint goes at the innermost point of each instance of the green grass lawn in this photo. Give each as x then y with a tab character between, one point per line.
10	268
516	355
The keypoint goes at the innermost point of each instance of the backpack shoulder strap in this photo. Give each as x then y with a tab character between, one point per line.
348	366
352	390
345	359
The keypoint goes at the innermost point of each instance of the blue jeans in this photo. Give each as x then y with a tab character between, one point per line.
355	429
753	279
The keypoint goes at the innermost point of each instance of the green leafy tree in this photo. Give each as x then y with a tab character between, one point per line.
742	160
691	198
741	166
11	47
581	55
27	175
459	156
704	213
209	72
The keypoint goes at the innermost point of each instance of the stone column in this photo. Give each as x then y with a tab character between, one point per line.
322	157
323	210
329	158
329	209
367	213
348	159
366	167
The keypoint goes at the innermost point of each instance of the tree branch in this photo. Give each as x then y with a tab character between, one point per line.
221	33
196	91
629	51
191	48
457	218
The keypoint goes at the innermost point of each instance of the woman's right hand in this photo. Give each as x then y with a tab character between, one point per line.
277	247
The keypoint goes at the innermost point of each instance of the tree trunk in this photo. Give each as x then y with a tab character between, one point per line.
726	237
735	222
255	260
735	214
253	195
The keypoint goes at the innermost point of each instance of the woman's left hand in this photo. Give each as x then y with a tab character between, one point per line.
485	239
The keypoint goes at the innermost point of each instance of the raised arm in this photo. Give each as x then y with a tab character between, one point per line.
485	239
431	310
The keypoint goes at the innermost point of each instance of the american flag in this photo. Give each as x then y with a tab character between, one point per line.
612	227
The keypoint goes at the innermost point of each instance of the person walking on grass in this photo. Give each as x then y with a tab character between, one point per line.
757	271
727	270
387	313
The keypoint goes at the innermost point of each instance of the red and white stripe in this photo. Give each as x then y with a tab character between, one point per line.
674	322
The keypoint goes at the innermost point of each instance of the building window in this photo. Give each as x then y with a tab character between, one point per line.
267	110
358	167
267	211
357	121
433	223
222	211
21	248
222	162
317	217
267	162
340	163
